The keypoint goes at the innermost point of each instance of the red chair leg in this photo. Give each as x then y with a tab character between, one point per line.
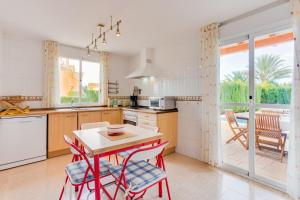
63	189
160	189
80	191
117	160
168	189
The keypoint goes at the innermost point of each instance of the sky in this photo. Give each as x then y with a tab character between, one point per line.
239	61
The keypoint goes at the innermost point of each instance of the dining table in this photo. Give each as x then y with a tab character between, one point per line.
99	145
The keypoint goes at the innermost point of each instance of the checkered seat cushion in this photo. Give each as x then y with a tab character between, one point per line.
76	170
125	154
139	174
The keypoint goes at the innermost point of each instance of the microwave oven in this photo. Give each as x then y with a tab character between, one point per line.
162	103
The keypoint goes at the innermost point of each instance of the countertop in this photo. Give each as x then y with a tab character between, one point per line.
151	111
87	109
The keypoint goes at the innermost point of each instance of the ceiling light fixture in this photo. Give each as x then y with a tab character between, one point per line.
102	34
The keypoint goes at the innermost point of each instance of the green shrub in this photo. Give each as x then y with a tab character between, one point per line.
266	93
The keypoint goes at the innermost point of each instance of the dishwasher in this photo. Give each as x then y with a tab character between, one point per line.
23	140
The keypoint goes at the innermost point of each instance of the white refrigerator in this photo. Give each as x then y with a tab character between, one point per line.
23	140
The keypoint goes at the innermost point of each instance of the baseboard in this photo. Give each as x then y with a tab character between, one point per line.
169	151
53	154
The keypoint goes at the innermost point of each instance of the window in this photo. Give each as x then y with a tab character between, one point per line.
79	81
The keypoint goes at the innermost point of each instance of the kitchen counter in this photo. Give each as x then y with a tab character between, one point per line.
63	110
87	109
150	111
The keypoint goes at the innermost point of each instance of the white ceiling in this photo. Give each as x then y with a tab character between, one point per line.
145	23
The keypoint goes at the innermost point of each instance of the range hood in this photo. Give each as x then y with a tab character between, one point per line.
145	68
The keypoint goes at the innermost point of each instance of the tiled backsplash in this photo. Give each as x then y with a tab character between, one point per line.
143	100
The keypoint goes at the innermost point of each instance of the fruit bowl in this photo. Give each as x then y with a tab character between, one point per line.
115	129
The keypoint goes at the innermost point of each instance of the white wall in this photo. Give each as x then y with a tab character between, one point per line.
255	23
1	58
177	67
118	70
22	66
21	69
181	74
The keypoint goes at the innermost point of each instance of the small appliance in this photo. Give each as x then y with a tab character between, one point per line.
162	103
133	101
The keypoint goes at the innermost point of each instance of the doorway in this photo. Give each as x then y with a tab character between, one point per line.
255	95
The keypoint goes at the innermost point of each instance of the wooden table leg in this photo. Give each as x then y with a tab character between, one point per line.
97	177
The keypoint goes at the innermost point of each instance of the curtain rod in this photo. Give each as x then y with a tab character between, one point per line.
253	12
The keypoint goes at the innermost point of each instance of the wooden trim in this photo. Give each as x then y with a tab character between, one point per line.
53	154
169	151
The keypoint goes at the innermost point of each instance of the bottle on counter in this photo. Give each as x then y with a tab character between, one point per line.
108	102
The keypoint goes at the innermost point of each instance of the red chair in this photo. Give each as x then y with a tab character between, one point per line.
81	172
136	175
125	154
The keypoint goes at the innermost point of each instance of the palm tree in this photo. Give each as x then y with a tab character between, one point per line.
269	68
237	76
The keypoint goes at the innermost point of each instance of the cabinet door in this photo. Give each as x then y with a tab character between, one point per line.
60	124
89	117
167	124
112	116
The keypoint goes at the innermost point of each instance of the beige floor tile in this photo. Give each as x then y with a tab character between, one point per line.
188	179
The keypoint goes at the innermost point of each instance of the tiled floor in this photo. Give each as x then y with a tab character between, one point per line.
267	162
188	178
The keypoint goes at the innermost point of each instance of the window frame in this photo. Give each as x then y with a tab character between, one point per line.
80	103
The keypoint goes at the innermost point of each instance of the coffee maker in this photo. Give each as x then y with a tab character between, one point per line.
133	102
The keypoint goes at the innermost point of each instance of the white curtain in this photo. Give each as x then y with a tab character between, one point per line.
211	140
293	183
104	60
51	79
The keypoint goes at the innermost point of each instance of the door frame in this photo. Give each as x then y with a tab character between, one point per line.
252	106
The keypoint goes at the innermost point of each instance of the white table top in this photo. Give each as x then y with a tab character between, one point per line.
97	143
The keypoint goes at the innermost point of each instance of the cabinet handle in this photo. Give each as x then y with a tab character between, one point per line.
70	116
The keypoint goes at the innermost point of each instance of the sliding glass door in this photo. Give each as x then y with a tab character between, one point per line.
255	89
234	70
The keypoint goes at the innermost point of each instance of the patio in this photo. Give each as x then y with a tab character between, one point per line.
267	162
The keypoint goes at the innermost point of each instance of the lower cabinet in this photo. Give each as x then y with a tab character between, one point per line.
167	124
112	116
60	124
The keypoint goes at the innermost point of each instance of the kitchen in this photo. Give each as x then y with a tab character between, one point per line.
141	75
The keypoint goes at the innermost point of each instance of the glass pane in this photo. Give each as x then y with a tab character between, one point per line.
272	141
90	82
234	72
274	58
234	124
69	80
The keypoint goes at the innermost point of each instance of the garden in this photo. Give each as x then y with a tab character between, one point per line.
272	83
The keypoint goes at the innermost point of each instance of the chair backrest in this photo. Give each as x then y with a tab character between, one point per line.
94	125
77	151
268	124
275	112
147	153
230	117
